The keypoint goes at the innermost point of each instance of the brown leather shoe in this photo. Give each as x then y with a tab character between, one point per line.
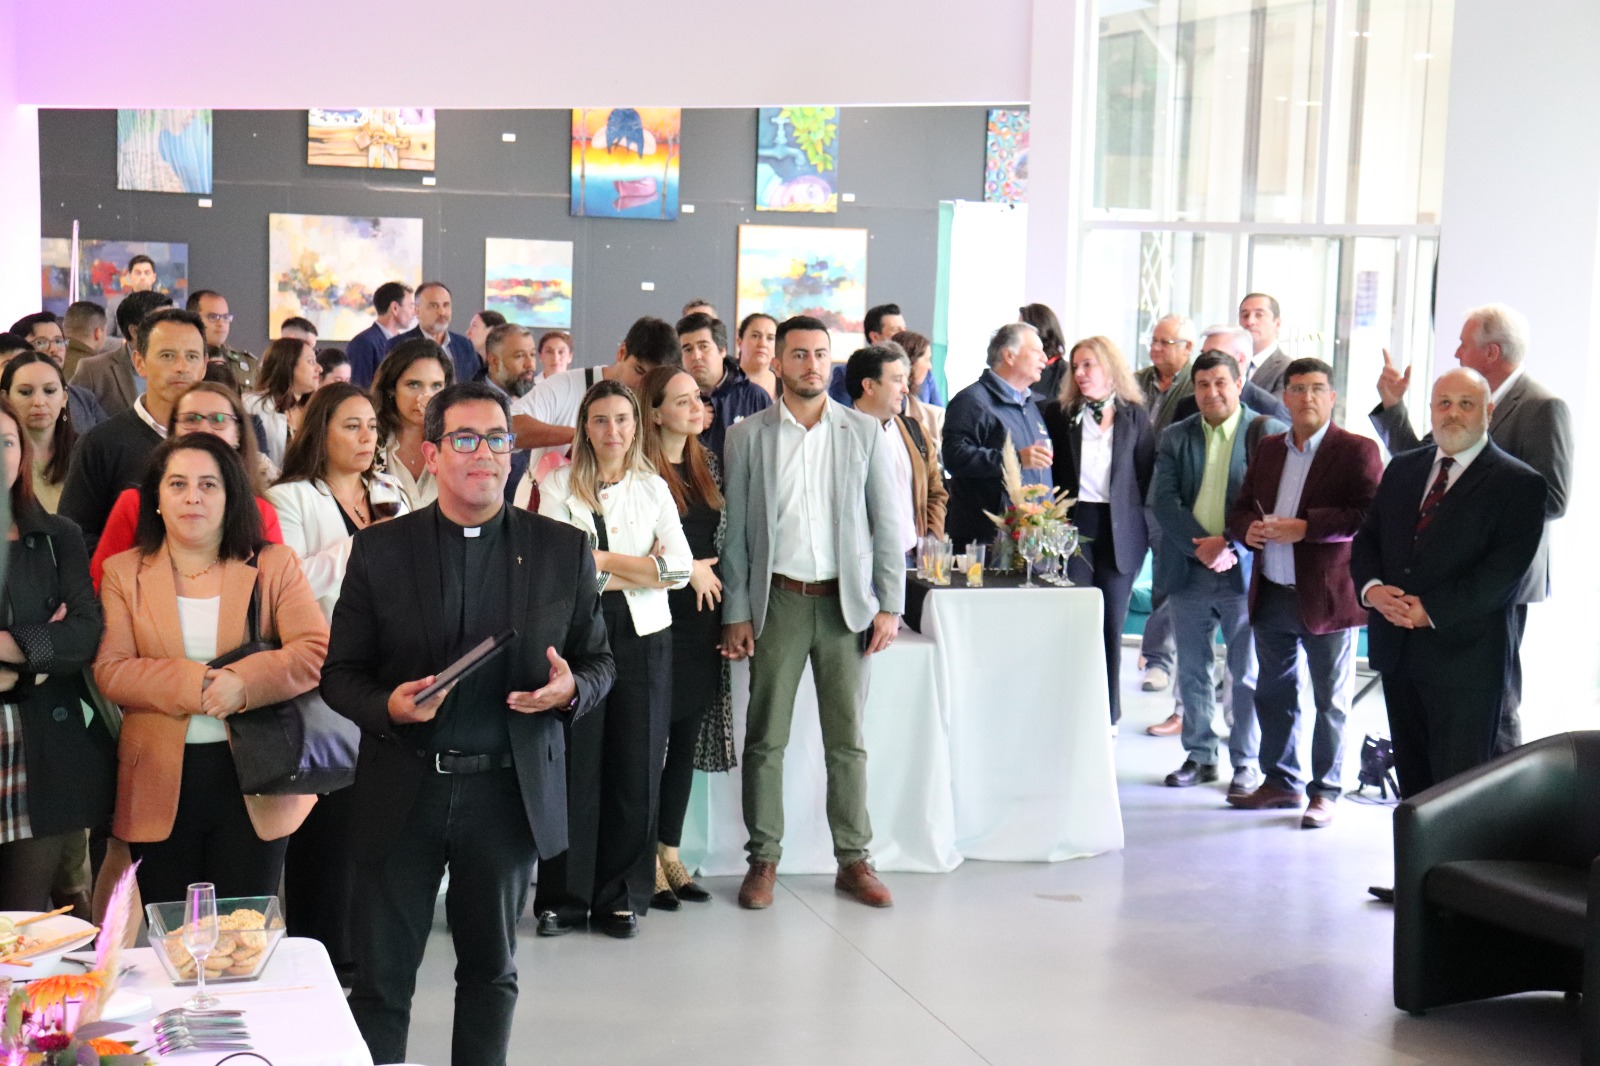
1169	728
756	892
1267	797
1319	814
858	881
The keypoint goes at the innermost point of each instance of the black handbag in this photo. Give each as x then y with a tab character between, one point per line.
298	747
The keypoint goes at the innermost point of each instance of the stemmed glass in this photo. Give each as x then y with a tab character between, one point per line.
200	935
1030	546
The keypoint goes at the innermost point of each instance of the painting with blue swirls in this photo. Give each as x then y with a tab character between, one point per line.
164	150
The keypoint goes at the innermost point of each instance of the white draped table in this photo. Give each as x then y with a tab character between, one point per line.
1023	676
908	777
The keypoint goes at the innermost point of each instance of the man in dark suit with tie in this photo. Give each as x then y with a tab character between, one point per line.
473	780
1438	562
1530	422
1305	494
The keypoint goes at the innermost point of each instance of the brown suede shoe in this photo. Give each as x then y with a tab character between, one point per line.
1267	797
858	881
1319	815
1171	727
756	892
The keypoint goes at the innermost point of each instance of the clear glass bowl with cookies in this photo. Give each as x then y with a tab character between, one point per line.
250	930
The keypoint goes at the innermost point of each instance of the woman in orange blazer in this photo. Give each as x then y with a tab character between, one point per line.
174	603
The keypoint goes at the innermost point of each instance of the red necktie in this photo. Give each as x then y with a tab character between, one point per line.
1430	502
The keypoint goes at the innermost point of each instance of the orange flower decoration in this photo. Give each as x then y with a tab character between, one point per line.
50	991
105	1046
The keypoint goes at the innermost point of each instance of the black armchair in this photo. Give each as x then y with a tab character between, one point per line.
1497	890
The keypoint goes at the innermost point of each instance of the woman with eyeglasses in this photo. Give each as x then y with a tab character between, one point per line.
615	752
37	389
411	374
289	375
1105	455
205	407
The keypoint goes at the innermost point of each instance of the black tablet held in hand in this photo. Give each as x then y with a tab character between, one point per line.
463	666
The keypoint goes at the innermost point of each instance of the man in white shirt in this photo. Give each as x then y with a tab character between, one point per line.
811	496
878	378
1259	315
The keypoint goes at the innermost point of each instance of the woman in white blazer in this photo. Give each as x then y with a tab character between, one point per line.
329	491
289	374
615	752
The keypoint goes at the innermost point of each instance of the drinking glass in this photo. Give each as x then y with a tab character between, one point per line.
1031	546
200	934
977	555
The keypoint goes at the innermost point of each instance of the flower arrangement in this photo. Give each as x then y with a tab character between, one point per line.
1032	506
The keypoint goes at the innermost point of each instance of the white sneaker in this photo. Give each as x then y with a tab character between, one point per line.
1156	680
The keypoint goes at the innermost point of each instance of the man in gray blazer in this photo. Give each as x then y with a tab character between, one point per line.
1529	421
1259	315
811	569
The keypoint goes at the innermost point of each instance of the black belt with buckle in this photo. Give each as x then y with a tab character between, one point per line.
454	762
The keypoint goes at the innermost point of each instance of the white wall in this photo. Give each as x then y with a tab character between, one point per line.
1521	225
19	181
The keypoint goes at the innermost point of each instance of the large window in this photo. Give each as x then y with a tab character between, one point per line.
1288	146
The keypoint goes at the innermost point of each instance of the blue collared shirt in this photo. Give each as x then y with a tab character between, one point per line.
1278	559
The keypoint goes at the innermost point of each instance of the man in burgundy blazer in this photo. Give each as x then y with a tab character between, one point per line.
1304	496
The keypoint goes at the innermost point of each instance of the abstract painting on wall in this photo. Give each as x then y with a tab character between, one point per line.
165	150
797	159
625	161
378	138
102	271
806	270
530	282
1005	170
326	268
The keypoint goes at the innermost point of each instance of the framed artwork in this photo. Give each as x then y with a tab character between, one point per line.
797	159
164	150
806	270
1005	168
102	271
530	282
375	138
326	268
625	161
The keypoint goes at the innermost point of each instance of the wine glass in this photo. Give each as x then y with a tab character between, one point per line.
1030	546
200	935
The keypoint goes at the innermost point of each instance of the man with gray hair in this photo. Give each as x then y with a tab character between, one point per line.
1529	422
981	418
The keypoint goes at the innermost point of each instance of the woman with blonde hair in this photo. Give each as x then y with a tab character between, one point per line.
615	752
1105	453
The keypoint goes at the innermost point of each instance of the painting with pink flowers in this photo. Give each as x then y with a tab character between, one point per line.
1005	173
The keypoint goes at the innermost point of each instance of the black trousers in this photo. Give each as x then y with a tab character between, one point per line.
474	825
566	881
696	685
1439	730
1510	732
1098	567
28	870
317	876
212	838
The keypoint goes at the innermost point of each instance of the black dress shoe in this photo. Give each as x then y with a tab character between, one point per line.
1192	773
621	926
665	900
1381	893
552	924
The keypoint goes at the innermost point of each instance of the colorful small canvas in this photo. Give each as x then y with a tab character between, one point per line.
1005	173
805	270
102	267
326	268
377	138
797	159
165	150
625	161
530	282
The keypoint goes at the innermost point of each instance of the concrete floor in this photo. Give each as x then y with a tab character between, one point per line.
1217	936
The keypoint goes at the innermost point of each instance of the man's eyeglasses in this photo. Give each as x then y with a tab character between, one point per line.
465	442
212	316
197	419
44	344
1166	344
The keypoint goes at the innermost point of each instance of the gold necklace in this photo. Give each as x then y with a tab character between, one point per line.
198	573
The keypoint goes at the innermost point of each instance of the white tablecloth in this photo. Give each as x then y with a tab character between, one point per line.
295	1011
1024	680
908	777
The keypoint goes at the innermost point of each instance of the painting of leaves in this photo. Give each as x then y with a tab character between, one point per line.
326	268
530	282
102	267
625	161
165	150
376	138
1005	172
805	270
797	159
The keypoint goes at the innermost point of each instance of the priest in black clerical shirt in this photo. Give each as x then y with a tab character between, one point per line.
474	779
